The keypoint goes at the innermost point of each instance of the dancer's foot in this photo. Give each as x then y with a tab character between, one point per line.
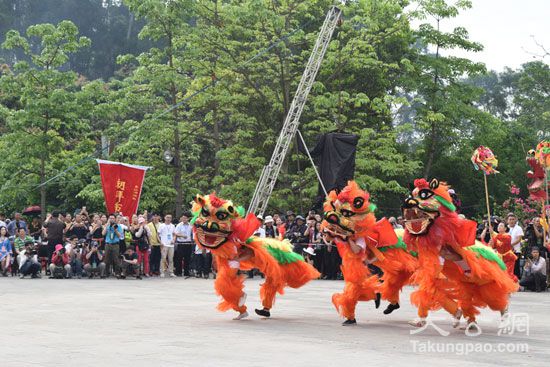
349	322
391	307
456	318
471	324
263	312
418	322
242	300
241	316
504	315
377	300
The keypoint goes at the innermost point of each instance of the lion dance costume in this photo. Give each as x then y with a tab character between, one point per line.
350	222
455	272
221	227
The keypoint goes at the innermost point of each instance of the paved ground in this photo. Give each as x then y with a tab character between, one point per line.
172	322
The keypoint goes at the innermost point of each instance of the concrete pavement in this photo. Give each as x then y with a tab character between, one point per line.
173	322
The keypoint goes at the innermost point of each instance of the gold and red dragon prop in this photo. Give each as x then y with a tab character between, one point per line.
349	221
455	271
220	226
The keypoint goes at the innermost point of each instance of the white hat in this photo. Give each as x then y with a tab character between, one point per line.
268	219
260	217
309	250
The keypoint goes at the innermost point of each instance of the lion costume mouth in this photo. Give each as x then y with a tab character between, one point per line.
211	239
418	221
335	230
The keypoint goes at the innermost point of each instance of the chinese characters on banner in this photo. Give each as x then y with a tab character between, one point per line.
121	185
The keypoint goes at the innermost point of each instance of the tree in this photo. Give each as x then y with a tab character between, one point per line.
45	118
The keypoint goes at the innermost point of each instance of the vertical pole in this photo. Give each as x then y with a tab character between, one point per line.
488	207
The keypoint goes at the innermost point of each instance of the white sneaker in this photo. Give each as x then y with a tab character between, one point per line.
418	322
162	275
241	316
172	275
242	300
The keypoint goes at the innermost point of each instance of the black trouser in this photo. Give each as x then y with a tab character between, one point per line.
517	265
534	282
319	259
182	258
332	263
30	268
203	263
154	259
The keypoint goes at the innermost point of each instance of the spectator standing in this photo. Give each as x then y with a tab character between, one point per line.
202	262
35	228
113	235
296	234
166	233
3	220
184	247
17	223
5	251
96	230
142	236
77	228
515	231
394	223
534	277
270	230
54	232
154	242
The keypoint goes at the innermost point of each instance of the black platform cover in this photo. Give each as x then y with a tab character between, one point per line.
334	155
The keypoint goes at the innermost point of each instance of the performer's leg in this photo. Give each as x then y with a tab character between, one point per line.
229	285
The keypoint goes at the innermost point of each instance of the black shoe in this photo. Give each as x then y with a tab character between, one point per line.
122	277
138	277
377	300
263	312
349	322
103	277
391	307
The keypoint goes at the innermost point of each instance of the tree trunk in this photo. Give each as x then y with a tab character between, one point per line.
42	188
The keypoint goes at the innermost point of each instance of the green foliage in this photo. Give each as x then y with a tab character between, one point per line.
413	105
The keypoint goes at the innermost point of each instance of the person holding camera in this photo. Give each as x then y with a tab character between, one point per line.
28	261
94	261
74	249
60	266
297	234
54	228
129	263
534	277
141	236
113	235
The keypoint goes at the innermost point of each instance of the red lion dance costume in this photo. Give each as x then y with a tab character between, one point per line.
350	222
219	226
455	271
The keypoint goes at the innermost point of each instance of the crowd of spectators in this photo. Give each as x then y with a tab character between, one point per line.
148	245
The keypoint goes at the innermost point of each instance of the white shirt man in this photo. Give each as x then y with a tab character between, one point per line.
167	239
515	232
166	234
184	233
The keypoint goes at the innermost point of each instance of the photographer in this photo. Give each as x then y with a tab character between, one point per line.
94	261
129	263
534	277
28	261
297	234
60	266
113	235
141	236
74	249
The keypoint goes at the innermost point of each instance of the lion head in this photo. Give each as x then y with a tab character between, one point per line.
213	220
425	204
348	213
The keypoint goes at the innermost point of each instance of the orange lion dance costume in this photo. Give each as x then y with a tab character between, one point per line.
219	226
350	222
455	272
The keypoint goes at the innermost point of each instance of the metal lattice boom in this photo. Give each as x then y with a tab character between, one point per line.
269	175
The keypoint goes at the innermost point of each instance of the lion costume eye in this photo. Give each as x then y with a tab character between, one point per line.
358	202
347	213
425	194
204	212
222	215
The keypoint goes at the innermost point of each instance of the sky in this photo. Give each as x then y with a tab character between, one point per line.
506	29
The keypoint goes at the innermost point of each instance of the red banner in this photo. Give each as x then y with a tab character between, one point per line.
122	184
